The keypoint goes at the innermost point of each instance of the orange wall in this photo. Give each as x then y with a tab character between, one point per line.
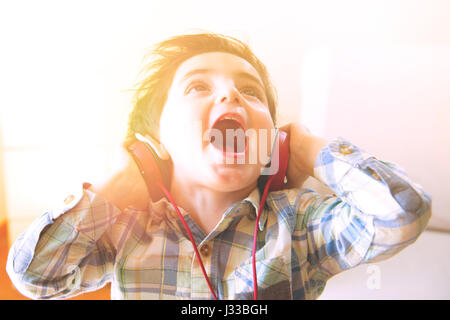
3	214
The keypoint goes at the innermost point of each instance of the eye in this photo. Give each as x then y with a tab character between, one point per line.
197	87
252	92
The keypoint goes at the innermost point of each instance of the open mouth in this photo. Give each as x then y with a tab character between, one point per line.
228	135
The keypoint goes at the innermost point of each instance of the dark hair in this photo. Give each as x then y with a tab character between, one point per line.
165	57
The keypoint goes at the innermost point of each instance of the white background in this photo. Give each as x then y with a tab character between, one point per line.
374	72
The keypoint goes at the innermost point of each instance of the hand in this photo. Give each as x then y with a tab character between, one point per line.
123	185
304	149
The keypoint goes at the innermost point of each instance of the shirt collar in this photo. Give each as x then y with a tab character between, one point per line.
164	206
254	198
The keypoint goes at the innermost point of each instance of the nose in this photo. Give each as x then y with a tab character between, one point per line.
229	99
229	94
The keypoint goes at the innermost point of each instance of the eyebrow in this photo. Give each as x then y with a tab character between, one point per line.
238	74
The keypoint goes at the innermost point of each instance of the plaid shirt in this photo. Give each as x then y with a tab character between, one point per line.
304	238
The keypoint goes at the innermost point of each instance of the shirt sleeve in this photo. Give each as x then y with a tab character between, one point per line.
375	211
67	250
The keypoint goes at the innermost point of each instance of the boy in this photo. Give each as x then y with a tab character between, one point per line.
111	231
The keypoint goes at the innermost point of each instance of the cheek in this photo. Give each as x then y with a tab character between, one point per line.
262	142
178	131
262	119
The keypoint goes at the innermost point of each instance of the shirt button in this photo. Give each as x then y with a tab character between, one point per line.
69	199
345	149
376	176
205	250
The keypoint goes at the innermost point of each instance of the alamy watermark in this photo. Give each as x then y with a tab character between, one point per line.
374	280
253	145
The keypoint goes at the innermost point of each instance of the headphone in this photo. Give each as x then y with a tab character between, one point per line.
157	171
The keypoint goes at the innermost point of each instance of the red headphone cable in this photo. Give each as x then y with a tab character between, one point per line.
190	237
261	206
199	259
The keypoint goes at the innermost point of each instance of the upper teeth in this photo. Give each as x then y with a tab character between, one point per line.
230	118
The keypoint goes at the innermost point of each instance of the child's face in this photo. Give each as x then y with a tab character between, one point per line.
204	89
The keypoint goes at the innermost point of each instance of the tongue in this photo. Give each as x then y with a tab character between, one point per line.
235	135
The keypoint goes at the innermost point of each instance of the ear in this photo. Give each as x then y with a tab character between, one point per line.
159	148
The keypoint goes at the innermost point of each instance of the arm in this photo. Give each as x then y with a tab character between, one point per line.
376	210
70	249
66	251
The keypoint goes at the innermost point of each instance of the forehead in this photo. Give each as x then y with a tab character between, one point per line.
218	63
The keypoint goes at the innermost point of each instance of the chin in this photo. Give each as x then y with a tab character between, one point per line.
234	178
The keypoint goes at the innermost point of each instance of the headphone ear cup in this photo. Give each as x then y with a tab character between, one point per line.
153	169
278	181
165	170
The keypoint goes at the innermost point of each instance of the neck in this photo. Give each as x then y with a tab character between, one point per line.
205	206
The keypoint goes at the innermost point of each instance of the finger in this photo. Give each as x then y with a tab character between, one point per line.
286	128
